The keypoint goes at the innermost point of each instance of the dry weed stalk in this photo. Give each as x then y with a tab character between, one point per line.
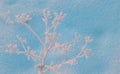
49	44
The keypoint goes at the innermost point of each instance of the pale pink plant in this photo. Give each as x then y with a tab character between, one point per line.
49	44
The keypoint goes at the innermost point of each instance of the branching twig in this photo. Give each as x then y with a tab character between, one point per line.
49	44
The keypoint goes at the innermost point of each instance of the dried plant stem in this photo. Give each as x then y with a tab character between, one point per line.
49	44
34	33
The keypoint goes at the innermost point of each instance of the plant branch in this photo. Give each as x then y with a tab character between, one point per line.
34	33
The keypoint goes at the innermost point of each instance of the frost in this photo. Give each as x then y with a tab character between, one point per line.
49	43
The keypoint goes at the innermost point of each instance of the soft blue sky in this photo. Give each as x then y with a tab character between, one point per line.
98	18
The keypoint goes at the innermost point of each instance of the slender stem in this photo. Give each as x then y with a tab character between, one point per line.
22	44
46	42
34	33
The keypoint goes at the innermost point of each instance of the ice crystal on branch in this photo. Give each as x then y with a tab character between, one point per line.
49	43
12	48
23	18
57	19
88	39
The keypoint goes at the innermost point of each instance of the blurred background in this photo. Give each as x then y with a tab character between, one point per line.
99	19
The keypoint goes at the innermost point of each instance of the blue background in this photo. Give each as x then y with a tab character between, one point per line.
99	19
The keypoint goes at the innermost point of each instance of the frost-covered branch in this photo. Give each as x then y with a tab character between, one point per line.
50	37
13	49
23	18
84	52
49	44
